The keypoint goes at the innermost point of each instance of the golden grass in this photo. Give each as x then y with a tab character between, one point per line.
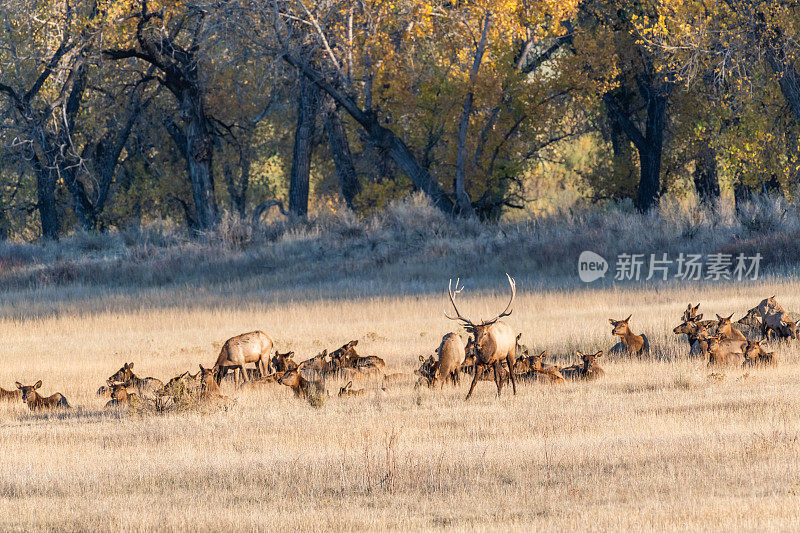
655	445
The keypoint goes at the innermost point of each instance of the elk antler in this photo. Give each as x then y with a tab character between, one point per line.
506	311
453	293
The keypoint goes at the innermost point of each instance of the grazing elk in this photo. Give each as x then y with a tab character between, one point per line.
452	352
281	362
755	355
493	340
725	352
146	387
120	396
253	347
589	370
631	343
10	395
36	402
348	391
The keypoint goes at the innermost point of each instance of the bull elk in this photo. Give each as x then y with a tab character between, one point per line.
493	340
253	347
36	402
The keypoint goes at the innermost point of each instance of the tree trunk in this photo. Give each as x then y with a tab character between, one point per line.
303	146
46	202
705	174
200	154
342	157
650	153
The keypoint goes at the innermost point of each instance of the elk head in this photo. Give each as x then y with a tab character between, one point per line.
588	359
29	391
620	326
480	332
724	324
690	315
689	327
123	374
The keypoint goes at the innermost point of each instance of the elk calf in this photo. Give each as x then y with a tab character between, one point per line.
36	402
631	343
121	397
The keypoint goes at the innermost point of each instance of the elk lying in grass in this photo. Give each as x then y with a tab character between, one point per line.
209	390
774	320
302	387
146	387
36	402
10	395
347	357
492	341
589	370
348	391
121	397
282	362
253	347
397	377
726	330
755	355
631	343
725	352
451	353
696	333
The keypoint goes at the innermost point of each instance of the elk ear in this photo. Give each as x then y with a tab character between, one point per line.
201	368
38	384
719	317
599	354
731	316
349	384
543	353
19	385
353	343
698	317
629	317
130	366
289	354
578	353
421	359
612	321
519	336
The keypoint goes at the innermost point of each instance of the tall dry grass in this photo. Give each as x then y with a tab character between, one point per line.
655	445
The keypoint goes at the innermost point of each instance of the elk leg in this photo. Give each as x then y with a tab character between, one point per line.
474	380
511	364
497	379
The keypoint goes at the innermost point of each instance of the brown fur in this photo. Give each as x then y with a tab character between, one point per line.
755	355
282	362
209	390
252	347
36	402
10	395
348	391
451	353
726	330
725	352
589	370
121	397
302	387
631	343
144	386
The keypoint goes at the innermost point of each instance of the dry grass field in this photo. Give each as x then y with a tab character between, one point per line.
657	444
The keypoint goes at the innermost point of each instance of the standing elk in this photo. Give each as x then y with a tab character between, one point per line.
452	352
493	340
253	347
36	402
774	319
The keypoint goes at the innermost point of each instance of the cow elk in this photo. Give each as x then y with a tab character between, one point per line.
774	320
253	347
452	352
726	330
589	370
493	340
302	387
281	362
724	352
120	396
146	387
755	355
36	402
631	343
209	390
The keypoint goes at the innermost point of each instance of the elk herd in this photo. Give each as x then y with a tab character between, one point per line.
492	352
